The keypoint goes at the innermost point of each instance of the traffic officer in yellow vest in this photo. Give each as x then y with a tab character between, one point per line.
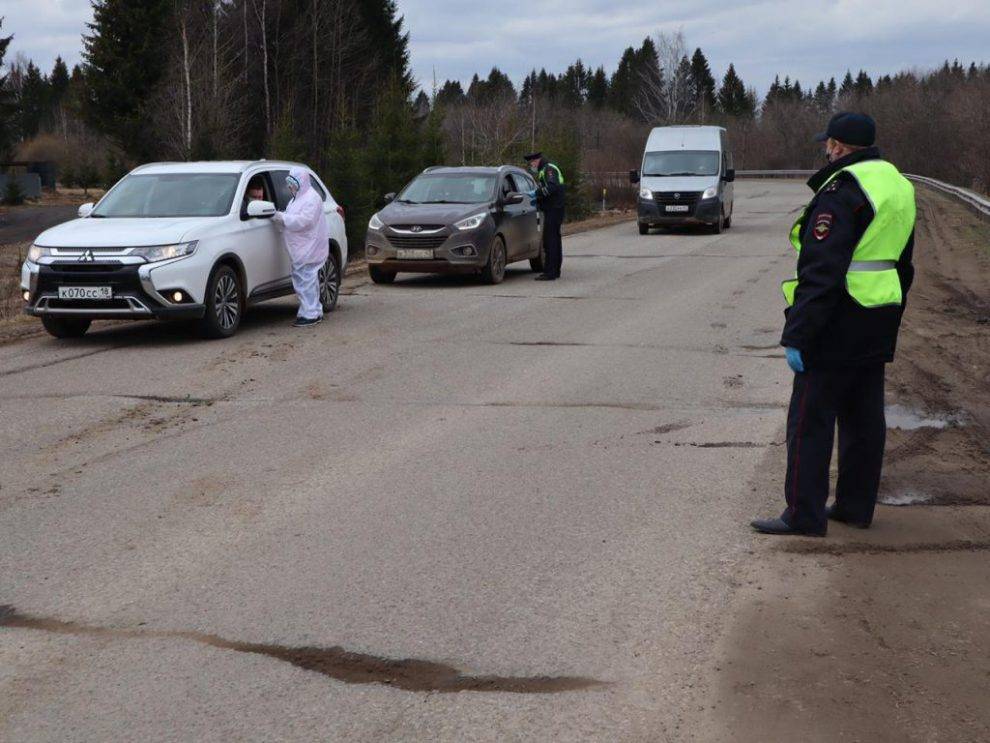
854	241
550	200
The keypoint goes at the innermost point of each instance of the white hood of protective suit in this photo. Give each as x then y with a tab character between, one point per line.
306	232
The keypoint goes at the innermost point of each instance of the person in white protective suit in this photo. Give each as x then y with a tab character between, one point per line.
307	239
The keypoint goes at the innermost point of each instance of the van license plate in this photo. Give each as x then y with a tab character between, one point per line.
414	254
85	292
678	208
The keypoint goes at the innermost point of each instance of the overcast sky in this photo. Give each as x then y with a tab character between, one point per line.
456	38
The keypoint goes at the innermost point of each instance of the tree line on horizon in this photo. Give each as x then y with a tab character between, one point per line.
328	82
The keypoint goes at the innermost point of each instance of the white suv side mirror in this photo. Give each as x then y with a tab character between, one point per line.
86	209
260	209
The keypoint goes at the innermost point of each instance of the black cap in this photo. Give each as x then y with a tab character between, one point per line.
858	130
533	156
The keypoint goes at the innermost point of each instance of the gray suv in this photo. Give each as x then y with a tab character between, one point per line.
457	220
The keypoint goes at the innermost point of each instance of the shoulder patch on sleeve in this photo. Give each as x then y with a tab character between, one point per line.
823	225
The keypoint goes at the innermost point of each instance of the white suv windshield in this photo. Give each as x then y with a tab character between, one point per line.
682	162
448	188
170	195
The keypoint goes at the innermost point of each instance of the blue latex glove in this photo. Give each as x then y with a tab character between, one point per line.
532	197
794	360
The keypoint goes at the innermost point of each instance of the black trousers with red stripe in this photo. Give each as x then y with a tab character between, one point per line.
852	397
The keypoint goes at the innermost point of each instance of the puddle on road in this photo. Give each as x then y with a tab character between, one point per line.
408	674
905	498
906	419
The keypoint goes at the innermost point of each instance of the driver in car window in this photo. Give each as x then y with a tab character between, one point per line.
255	191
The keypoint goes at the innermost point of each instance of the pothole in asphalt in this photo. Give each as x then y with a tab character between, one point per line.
906	419
408	674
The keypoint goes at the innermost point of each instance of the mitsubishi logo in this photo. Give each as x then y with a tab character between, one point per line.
417	228
87	257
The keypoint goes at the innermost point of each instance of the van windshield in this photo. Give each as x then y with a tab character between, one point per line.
170	195
449	188
681	162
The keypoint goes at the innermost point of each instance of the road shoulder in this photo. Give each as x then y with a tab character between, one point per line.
880	635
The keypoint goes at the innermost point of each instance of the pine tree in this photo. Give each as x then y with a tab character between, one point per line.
598	88
383	28
649	96
732	99
7	106
863	85
125	56
59	79
498	87
421	106
702	85
450	94
33	103
821	98
573	85
774	94
621	87
848	85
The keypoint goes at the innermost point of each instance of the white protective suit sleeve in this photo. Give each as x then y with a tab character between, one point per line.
305	229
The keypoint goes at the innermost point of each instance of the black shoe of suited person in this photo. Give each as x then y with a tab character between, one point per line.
833	513
544	277
779	527
307	322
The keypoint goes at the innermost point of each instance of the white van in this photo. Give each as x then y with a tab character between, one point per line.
686	178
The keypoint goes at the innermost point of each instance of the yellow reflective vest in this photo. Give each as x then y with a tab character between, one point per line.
872	279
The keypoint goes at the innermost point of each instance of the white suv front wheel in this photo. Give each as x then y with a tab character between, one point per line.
224	303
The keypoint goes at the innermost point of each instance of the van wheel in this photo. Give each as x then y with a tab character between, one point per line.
719	224
379	276
539	263
644	229
224	303
66	327
494	271
329	277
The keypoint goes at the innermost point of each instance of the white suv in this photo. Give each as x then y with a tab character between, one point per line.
174	240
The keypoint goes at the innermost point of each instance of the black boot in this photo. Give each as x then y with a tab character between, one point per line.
779	527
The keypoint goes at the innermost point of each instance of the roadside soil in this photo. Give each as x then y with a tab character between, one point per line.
599	220
881	635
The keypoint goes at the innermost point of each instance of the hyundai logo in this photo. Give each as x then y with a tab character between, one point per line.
416	228
677	196
87	257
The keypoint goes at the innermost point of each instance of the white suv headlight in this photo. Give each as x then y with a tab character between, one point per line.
156	253
710	193
646	194
375	223
471	223
35	252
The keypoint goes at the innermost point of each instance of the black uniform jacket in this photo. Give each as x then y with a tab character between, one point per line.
826	324
551	194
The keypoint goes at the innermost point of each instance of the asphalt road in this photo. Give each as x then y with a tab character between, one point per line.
536	493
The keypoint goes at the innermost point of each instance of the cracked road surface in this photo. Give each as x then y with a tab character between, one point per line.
544	485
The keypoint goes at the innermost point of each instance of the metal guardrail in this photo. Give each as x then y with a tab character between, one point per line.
979	204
